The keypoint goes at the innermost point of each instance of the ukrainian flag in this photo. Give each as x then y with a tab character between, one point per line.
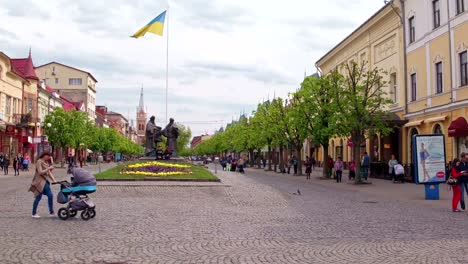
156	26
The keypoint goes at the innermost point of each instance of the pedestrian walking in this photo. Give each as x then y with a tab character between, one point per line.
391	167
16	164
456	189
6	164
1	160
290	163
313	162
295	164
234	165
352	170
365	164
228	163
264	162
308	165
41	185
240	164
338	169
330	166
463	184
26	162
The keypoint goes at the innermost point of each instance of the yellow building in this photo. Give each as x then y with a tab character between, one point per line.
378	43
437	44
18	106
74	84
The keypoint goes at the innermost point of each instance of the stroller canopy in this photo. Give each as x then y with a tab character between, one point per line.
83	177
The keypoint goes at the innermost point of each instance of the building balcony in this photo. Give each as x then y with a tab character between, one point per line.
25	120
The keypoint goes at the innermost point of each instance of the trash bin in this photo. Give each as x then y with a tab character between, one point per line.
432	191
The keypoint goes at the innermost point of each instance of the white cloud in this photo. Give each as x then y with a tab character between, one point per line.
225	55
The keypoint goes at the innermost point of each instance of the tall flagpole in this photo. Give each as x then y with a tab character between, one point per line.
167	60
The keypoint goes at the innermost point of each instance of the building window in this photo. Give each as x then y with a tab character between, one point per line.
413	87
393	87
1	72
439	78
30	105
74	81
436	13
412	30
14	106
438	129
8	105
460	6
463	68
56	80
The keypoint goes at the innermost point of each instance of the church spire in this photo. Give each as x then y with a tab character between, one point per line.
141	105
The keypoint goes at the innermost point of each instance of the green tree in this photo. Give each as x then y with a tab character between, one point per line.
319	108
184	138
68	129
362	104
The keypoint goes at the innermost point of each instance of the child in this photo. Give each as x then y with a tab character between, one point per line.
352	170
338	169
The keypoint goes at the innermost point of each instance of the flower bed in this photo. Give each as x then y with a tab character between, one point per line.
156	169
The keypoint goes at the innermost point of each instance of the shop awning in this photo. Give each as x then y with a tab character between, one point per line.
435	119
413	123
458	128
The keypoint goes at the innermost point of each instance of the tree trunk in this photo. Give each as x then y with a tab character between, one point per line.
281	157
259	160
357	157
251	159
325	170
275	160
299	160
269	156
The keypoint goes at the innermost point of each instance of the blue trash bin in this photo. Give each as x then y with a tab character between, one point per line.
432	191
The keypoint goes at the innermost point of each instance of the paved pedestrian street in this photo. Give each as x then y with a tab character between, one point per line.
253	218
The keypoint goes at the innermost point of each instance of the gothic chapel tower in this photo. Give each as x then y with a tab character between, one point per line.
141	120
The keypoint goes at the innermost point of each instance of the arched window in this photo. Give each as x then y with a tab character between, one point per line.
438	129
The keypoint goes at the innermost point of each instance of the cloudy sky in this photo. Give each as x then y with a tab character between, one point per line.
224	55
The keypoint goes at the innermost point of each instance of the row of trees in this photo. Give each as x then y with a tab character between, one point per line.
74	129
351	101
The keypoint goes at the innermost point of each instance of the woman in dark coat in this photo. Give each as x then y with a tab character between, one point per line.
6	164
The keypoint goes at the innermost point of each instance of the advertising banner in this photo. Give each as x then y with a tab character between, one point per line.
429	158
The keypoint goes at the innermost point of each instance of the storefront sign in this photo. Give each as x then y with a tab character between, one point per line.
429	158
10	130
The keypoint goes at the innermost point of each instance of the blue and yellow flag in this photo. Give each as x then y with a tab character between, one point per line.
156	26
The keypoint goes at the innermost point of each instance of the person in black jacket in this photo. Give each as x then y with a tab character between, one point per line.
6	164
16	163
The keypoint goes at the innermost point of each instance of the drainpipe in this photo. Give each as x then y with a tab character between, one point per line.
405	64
405	60
452	81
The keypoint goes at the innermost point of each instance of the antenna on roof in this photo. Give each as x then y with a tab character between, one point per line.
29	51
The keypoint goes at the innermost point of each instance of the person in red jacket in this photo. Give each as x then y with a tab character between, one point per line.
456	188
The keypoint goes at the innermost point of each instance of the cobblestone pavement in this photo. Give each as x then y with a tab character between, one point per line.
252	218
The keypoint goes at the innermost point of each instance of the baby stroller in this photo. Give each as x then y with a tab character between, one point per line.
399	173
75	195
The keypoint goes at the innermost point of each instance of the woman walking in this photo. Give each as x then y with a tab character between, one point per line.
308	165
391	167
456	188
352	170
338	169
16	164
40	184
6	164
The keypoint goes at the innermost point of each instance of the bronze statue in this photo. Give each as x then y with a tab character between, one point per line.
152	137
171	132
